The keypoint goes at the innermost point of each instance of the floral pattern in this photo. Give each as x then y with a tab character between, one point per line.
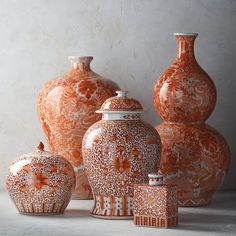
117	154
38	180
66	108
38	184
87	88
121	164
155	206
194	156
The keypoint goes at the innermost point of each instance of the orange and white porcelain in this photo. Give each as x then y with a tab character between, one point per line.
67	108
40	183
119	151
155	204
194	155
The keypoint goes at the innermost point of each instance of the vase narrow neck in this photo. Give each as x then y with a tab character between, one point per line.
80	63
185	45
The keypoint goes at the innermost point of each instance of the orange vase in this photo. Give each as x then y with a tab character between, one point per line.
194	155
66	109
119	151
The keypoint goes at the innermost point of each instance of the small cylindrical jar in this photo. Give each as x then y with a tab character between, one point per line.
155	179
40	183
155	204
118	152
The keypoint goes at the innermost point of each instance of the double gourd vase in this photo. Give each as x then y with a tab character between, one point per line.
119	151
195	157
66	108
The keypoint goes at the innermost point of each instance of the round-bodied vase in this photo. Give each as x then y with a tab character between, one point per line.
118	152
40	183
66	108
194	155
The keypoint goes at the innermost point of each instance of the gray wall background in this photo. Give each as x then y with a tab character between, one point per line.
132	43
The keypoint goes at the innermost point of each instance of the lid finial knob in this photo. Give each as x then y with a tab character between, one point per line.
155	179
41	147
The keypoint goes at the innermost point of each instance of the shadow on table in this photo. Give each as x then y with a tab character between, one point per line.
219	216
213	221
224	201
71	213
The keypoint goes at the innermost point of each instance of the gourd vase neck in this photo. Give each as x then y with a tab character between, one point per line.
185	47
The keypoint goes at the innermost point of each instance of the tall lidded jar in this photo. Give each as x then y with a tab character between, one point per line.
66	108
195	157
118	152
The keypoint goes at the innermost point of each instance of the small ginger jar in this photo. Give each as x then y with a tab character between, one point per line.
40	183
155	204
118	152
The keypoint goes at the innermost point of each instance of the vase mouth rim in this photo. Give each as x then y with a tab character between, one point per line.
186	34
79	57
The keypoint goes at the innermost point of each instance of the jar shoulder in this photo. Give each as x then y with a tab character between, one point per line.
105	128
89	79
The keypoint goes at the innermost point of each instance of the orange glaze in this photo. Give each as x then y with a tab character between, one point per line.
194	155
66	108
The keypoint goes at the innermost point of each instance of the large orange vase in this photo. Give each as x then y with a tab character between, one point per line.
194	155
66	109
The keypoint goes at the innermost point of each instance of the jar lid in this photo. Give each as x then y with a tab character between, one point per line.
40	153
155	179
121	103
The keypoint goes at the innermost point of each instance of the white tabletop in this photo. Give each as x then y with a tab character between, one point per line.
219	218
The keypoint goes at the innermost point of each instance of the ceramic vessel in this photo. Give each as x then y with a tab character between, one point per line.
119	151
155	204
40	183
194	155
66	109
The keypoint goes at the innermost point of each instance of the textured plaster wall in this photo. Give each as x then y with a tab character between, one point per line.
132	43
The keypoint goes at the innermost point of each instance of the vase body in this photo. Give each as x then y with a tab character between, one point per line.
119	151
194	156
66	108
40	183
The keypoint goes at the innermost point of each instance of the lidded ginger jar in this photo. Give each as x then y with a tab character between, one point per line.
40	183
118	152
67	108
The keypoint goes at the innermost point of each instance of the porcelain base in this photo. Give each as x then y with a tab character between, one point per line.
112	217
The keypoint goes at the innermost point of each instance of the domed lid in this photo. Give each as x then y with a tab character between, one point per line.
121	104
41	153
